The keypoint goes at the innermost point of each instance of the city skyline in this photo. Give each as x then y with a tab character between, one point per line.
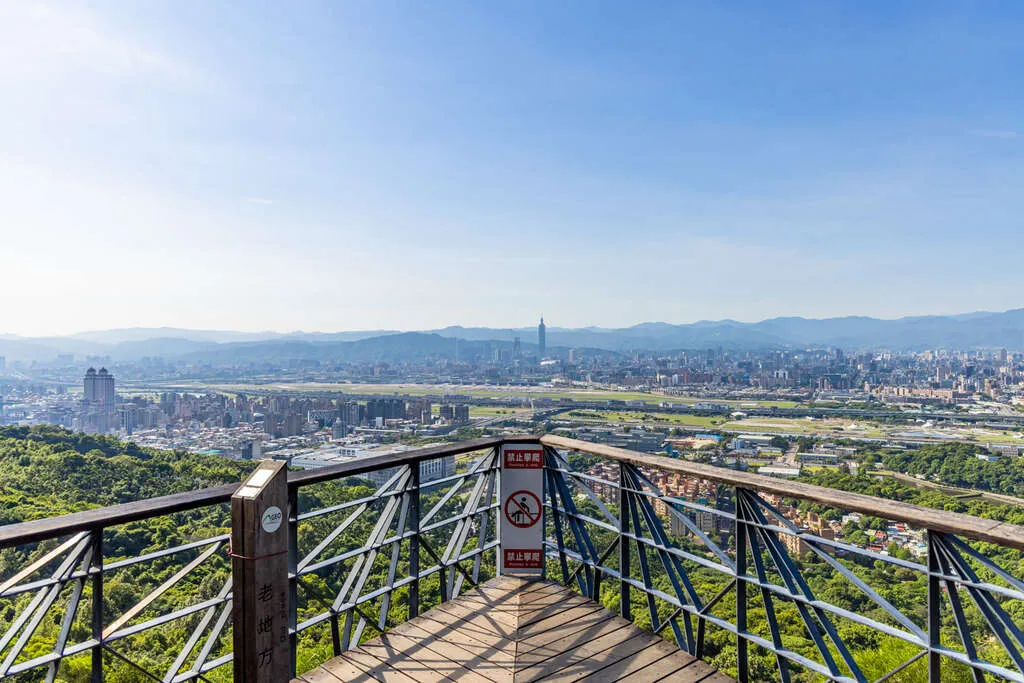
311	167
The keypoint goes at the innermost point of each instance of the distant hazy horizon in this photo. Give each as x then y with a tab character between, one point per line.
551	324
381	166
153	332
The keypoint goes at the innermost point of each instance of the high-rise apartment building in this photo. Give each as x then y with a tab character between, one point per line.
99	388
270	423
385	408
99	412
351	413
419	410
430	470
292	424
250	450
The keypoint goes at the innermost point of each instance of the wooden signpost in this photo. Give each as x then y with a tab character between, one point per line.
259	565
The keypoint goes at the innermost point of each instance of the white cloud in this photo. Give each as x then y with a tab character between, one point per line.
41	40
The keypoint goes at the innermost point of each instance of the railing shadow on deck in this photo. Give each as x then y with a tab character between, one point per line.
743	570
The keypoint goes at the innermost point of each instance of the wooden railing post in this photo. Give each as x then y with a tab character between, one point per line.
259	567
292	517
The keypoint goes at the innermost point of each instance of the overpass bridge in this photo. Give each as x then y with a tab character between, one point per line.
609	565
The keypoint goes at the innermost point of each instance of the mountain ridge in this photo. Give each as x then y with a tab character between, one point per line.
980	329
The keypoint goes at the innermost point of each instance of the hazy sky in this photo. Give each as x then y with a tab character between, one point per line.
379	164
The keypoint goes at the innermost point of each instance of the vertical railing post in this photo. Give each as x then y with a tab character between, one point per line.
293	577
934	605
259	570
625	605
414	541
742	663
499	496
96	566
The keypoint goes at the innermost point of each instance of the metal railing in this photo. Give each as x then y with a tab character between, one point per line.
960	620
439	526
720	559
425	533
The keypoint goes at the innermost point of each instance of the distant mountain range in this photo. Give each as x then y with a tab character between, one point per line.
139	334
965	331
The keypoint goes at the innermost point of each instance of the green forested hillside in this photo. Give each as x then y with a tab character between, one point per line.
959	464
47	471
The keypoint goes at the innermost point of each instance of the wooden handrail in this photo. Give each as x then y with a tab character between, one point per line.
359	466
99	518
993	531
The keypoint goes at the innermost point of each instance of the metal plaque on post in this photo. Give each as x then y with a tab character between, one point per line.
259	565
522	523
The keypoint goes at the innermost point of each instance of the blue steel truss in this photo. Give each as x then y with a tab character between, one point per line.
762	560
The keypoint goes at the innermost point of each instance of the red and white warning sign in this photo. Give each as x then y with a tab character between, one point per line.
522	509
523	458
522	528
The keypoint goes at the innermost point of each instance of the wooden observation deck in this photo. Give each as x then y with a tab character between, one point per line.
317	550
511	630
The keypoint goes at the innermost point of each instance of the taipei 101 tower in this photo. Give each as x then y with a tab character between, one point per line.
541	338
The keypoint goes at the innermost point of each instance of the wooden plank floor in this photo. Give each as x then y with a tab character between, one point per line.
510	631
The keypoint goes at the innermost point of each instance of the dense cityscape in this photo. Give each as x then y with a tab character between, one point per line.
777	412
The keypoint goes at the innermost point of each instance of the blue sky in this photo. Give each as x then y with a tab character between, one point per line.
409	165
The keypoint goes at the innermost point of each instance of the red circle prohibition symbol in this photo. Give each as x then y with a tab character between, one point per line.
522	509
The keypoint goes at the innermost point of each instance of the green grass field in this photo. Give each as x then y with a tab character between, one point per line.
720	423
474	391
627	417
494	411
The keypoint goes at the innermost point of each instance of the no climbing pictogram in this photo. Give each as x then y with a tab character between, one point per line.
522	509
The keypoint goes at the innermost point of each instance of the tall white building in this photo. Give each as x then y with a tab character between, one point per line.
99	409
99	388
